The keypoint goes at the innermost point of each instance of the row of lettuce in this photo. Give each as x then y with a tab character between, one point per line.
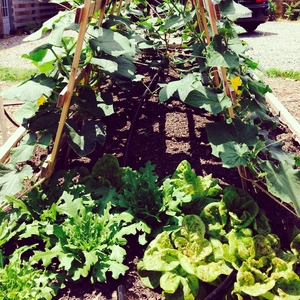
110	55
194	233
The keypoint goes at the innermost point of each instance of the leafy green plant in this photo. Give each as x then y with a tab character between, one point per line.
273	9
241	140
14	74
19	280
176	260
230	234
292	10
284	74
83	242
141	193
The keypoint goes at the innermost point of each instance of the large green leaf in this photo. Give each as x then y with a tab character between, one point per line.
25	149
57	24
21	153
42	58
218	55
91	259
47	256
233	132
70	206
169	282
110	42
233	10
26	111
12	179
277	152
83	142
209	99
233	154
283	181
190	90
176	22
94	104
106	64
31	90
43	121
116	66
116	268
183	86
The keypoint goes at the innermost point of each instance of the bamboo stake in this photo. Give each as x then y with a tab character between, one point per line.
83	18
119	7
102	12
222	70
207	35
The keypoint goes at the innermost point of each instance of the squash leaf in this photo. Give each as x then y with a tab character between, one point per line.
283	181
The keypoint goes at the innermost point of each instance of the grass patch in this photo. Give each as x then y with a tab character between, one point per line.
290	74
16	74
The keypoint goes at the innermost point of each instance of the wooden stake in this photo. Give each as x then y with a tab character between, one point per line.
84	14
213	21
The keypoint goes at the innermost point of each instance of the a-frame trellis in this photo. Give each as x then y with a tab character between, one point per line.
98	7
206	13
82	15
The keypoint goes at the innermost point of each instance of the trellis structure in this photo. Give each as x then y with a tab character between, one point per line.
82	15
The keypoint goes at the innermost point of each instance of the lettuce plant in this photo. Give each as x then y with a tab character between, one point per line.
230	234
182	192
85	243
235	210
181	258
19	280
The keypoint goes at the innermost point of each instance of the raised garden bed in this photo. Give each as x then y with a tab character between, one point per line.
145	127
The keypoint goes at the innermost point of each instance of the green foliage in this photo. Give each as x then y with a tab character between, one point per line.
12	179
182	192
292	10
86	243
284	74
19	280
108	170
109	54
273	9
141	193
181	258
229	234
16	74
72	231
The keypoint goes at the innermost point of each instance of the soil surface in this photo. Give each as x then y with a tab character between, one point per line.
166	133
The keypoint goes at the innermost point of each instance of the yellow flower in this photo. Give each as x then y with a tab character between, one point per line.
41	101
236	82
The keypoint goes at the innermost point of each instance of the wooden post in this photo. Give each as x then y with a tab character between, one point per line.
213	21
1	23
83	18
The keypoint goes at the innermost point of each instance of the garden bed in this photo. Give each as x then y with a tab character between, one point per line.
79	231
165	134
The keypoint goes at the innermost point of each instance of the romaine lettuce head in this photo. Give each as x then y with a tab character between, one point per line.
241	207
239	246
270	277
185	179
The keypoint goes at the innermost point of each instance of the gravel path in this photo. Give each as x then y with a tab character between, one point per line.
276	45
12	48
